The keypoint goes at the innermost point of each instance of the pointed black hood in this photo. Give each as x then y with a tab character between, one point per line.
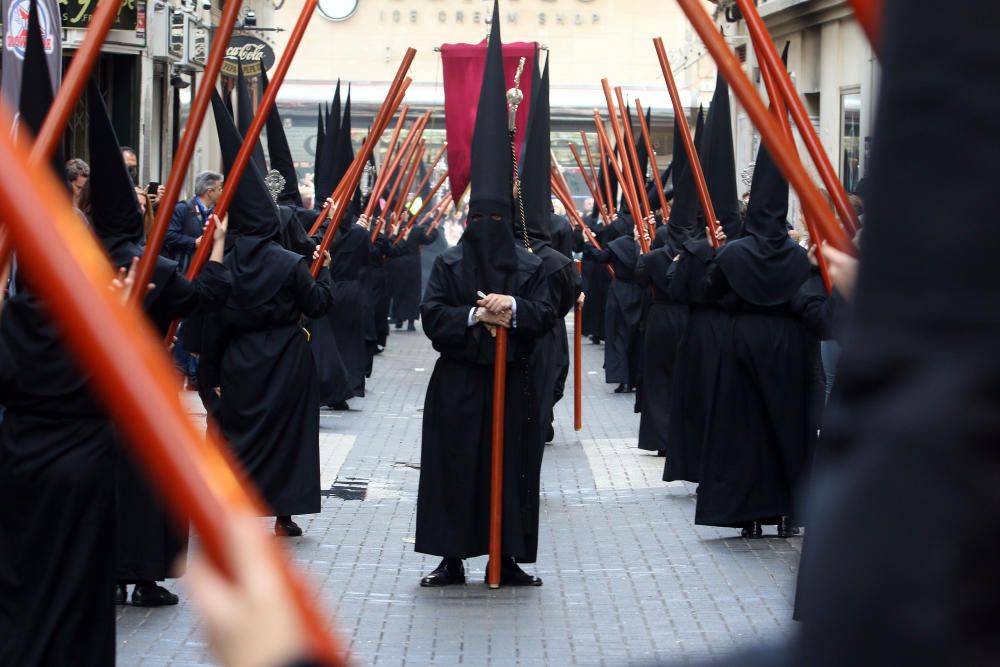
326	179
252	212
719	161
245	113
683	221
115	213
344	156
259	266
765	267
281	155
536	165
643	154
489	255
320	140
36	87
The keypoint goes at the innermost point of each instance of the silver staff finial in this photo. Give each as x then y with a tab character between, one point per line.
515	96
275	183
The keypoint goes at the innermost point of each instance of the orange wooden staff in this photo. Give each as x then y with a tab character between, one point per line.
68	94
414	217
664	206
629	195
786	92
407	152
404	192
869	14
496	458
586	179
561	191
395	171
427	176
578	359
441	212
771	132
599	200
350	181
386	161
639	182
624	172
680	117
130	371
609	194
183	154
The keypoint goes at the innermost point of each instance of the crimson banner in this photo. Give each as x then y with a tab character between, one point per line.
462	68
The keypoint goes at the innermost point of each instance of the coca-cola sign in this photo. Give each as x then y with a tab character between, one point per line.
253	52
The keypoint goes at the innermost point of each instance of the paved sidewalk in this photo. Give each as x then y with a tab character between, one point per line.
628	578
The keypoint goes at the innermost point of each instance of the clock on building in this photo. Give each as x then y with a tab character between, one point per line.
337	10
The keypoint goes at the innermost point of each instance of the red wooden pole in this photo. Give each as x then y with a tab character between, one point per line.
680	117
128	368
618	173
869	14
395	170
441	212
610	200
768	53
781	149
423	206
639	180
561	190
430	172
586	179
404	192
599	196
578	360
185	150
624	171
664	206
496	459
386	161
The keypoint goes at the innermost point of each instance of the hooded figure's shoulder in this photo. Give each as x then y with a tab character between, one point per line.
527	261
451	256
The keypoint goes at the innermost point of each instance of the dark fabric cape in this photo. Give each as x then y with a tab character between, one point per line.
664	325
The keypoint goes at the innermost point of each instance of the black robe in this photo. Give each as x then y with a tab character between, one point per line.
351	308
377	289
269	410
403	268
596	282
453	500
550	360
696	364
664	325
623	311
57	495
149	541
761	429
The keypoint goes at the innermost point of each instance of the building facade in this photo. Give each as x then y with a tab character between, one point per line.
363	41
836	73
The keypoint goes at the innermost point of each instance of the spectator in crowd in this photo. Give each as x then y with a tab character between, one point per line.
77	173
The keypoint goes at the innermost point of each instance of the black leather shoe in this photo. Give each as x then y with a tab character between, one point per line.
339	407
121	594
550	434
752	531
399	324
450	572
285	527
411	326
621	389
151	595
786	528
512	575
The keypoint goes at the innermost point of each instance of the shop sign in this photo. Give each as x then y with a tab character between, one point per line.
255	54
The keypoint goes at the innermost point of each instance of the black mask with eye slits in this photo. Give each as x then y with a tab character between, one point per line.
489	255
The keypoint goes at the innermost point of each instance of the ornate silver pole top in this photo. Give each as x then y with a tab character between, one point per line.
515	97
367	179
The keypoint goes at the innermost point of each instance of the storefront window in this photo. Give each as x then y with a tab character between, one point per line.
850	139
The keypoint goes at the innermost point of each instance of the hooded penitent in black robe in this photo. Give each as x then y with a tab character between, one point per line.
57	513
596	282
550	361
454	496
623	311
269	411
149	541
663	326
760	429
351	307
403	269
698	352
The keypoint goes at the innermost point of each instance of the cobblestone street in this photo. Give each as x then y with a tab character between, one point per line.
628	578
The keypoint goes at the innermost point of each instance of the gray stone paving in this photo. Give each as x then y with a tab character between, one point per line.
628	578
